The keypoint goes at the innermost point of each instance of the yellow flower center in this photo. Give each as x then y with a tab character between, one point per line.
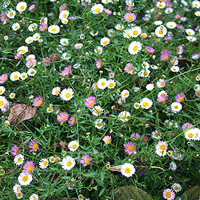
176	188
63	118
111	85
45	163
1	91
19	160
130	18
44	28
57	91
107	141
131	148
65	15
99	124
162	147
176	107
156	134
126	94
135	48
18	188
74	146
1	103
166	58
124	117
162	83
22	8
67	95
160	31
97	111
30	168
103	83
97	10
53	29
145	104
91	103
168	194
105	42
162	100
35	146
23	76
4	79
127	170
87	161
23	51
180	99
69	163
11	14
39	102
99	50
143	35
130	68
135	32
190	135
15	76
145	73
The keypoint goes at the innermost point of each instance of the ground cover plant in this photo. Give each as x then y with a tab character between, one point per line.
99	99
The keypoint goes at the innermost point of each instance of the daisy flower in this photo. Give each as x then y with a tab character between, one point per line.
127	33
168	194
22	49
110	32
14	149
34	197
180	97
171	25
127	170
92	33
11	13
143	35
124	93
99	63
52	159
17	188
38	101
134	47
102	83
14	76
111	84
136	105
104	41
64	41
25	179
55	91
66	71
19	195
130	17
161	31
135	136
29	167
43	27
161	148
97	8
19	159
98	50
31	72
63	7
176	106
195	4
97	110
186	126
68	163
31	63
156	134
129	68
43	164
99	123
54	29
73	145
90	102
191	38
107	139
135	31
21	6
149	49
78	45
146	103
107	11
190	134
67	94
124	116
33	145
161	4
63	14
119	27
71	121
162	98
160	83
85	160
3	78
62	117
130	148
2	90
176	187
150	86
32	27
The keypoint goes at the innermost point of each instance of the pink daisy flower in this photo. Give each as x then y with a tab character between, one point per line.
168	194
129	8
14	150
187	126
177	16
135	136
78	45
5	108
168	4
54	57
4	18
179	50
180	97
29	167
38	101
46	61
62	117
31	63
90	102
18	56
72	121
160	83
130	148
3	78
66	71
32	7
145	139
99	63
43	27
85	160
129	68
165	55
33	145
175	155
130	17
107	11
107	139
149	49
180	27
197	93
63	7
162	98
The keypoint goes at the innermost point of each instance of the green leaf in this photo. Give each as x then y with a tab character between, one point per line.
191	194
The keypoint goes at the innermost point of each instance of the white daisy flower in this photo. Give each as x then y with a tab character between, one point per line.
64	41
190	31
136	105
150	86
190	134
19	159
97	8
15	26
134	47
124	93
92	33
73	145
98	50
22	49
43	164
32	27
146	103
156	134
162	93
54	29
43	20
119	27
64	21
104	41
12	95
124	116
14	76
99	123
174	68
197	13
97	110
176	106
36	36
127	33
161	31
191	38
173	166
31	72
110	32
2	90
111	84
135	31
24	179
168	10
157	23
127	169
171	25
11	13
21	6
161	4
34	197
68	163
67	94
102	83
17	188
196	4
52	159
29	40
63	14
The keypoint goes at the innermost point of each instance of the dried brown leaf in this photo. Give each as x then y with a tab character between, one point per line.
20	112
64	145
